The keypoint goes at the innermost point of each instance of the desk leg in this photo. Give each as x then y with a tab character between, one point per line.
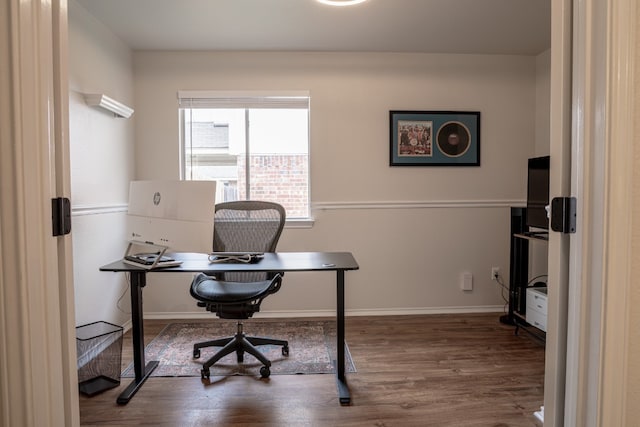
142	371
341	379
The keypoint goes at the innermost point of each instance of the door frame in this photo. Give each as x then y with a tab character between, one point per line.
37	331
614	400
602	172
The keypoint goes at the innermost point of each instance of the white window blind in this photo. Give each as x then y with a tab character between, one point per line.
226	99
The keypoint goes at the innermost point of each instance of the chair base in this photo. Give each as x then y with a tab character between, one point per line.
239	343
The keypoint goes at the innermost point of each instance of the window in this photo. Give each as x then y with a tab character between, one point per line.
256	145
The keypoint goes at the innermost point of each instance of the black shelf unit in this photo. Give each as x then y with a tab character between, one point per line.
520	237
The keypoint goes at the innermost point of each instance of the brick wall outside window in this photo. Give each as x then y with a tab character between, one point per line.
278	178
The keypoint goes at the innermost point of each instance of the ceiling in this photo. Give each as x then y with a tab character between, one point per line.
510	27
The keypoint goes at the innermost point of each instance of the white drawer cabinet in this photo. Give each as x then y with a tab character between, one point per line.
537	308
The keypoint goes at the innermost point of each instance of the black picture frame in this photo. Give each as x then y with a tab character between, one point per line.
434	138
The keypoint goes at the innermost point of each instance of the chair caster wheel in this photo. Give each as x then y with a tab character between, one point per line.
205	374
265	372
285	350
196	354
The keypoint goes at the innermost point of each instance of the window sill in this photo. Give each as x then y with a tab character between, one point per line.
300	223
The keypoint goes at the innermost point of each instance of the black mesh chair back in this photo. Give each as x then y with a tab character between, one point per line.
247	226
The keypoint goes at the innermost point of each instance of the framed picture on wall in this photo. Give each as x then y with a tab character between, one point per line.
434	138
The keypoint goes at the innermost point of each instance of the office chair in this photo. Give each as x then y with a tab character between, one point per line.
241	226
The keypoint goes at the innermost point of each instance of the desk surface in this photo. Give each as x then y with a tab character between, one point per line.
272	262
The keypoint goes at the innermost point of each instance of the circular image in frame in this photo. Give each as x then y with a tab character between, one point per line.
453	139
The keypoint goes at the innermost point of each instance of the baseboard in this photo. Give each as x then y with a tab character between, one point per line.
540	414
425	310
127	325
332	313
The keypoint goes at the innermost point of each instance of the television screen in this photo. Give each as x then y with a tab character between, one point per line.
538	192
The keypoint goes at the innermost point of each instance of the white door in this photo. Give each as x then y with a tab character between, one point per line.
37	325
560	178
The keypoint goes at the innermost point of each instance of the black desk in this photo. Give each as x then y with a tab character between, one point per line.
272	262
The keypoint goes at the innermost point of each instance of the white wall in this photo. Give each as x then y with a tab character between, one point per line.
419	227
101	149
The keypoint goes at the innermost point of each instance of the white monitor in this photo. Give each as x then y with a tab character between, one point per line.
175	214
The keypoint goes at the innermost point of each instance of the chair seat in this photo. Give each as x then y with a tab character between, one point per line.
207	289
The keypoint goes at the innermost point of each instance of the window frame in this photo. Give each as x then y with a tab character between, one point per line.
211	99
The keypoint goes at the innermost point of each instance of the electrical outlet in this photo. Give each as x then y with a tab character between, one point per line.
495	273
466	281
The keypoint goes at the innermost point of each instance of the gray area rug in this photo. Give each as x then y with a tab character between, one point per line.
311	349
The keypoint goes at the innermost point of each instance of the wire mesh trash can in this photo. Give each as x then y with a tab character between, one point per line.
99	350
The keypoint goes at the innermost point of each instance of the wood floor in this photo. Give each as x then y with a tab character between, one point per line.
431	370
